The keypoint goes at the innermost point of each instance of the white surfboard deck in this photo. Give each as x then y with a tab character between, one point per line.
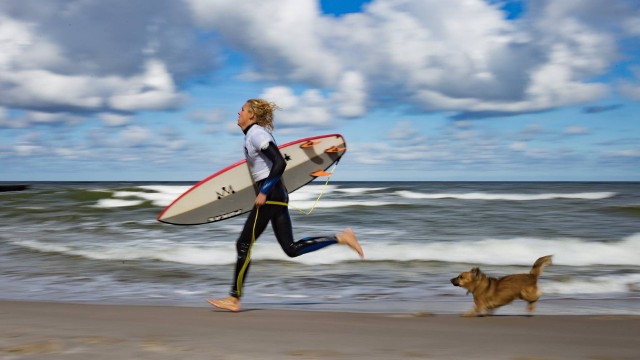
231	191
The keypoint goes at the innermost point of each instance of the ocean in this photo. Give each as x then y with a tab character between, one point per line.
100	242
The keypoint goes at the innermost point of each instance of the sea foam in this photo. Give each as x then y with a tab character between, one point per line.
513	251
506	197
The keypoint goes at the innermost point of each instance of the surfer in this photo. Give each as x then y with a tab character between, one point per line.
267	165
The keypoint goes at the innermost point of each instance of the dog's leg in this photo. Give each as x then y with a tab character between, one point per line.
471	313
531	295
476	311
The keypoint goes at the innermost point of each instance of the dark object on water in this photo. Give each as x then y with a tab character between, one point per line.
10	187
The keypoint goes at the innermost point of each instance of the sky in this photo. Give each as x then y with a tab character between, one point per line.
422	90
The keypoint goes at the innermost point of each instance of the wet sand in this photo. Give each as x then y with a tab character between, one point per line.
31	330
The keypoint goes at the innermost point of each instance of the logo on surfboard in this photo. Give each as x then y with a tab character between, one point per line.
225	191
225	216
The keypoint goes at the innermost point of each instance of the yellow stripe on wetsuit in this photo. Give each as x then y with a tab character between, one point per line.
253	239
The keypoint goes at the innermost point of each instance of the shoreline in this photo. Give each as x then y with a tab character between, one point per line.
78	331
444	306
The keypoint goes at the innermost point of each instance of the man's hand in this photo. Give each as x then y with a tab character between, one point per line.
261	199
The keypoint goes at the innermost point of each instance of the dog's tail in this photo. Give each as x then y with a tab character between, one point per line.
540	264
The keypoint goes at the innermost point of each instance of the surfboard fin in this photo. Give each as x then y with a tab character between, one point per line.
321	173
335	149
309	144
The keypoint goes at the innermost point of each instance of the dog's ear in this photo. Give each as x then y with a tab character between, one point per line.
478	274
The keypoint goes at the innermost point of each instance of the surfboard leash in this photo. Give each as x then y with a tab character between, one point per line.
324	188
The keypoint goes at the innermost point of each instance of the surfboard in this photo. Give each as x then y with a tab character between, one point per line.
231	191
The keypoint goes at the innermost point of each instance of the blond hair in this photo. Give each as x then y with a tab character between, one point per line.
263	111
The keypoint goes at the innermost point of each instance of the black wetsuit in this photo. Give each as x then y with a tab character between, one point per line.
276	212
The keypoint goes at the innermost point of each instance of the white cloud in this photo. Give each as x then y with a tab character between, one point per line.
632	25
626	153
27	149
407	148
531	132
213	116
313	108
518	146
114	120
133	136
383	153
462	55
406	134
631	88
4	118
22	120
39	117
152	90
351	95
175	144
47	89
91	56
576	130
22	49
282	36
215	120
71	153
308	109
28	145
231	128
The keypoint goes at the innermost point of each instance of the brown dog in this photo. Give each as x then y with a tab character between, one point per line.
490	293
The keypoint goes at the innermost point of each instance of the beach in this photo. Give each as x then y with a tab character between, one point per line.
40	330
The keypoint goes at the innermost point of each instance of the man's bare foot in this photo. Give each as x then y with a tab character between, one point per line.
229	303
347	237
